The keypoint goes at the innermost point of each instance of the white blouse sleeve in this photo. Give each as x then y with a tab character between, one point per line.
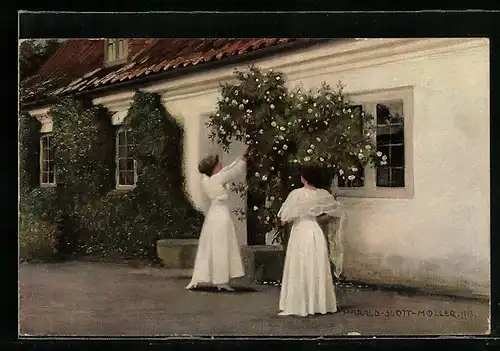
312	206
288	211
230	172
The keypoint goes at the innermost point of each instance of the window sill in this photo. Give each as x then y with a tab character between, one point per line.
48	185
387	193
115	62
123	188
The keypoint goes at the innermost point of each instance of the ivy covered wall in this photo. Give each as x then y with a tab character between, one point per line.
98	218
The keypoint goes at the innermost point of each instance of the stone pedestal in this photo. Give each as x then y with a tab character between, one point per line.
177	253
261	262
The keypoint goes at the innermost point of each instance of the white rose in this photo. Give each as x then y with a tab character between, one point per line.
379	153
256	79
267	92
328	97
226	99
351	177
271	198
261	131
295	161
282	128
264	178
236	92
285	146
360	156
272	168
307	158
245	76
354	169
278	78
384	157
273	123
318	139
383	163
241	107
234	102
310	110
309	151
257	174
368	147
255	208
341	172
271	106
321	159
312	146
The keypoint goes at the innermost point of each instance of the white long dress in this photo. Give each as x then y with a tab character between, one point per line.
307	284
218	256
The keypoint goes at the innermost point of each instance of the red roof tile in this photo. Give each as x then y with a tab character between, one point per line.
78	64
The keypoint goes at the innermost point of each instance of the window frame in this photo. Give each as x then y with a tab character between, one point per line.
119	186
111	61
369	101
41	160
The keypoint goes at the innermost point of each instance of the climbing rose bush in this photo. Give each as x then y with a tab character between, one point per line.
286	128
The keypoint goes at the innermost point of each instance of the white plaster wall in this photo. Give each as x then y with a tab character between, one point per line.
441	235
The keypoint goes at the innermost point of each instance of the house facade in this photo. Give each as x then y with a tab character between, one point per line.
423	221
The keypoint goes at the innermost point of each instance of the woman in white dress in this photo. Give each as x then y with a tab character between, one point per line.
218	257
307	284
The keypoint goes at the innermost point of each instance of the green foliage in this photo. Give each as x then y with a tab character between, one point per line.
286	129
100	219
130	222
36	238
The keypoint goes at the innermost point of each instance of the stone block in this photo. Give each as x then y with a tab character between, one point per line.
177	253
263	262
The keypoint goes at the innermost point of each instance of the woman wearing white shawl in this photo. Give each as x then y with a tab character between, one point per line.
218	257
307	284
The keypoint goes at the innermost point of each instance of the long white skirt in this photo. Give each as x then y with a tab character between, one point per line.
218	256
307	284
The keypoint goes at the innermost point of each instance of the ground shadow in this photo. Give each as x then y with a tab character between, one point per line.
237	289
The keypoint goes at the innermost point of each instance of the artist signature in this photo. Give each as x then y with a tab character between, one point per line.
428	313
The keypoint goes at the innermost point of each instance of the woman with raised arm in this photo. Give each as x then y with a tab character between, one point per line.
307	284
218	257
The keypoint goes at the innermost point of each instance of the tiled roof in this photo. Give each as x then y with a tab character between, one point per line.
78	65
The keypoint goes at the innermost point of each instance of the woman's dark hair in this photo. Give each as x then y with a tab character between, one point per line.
207	164
317	176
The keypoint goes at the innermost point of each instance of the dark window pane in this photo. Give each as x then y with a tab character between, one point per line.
45	177
398	177
51	177
383	135
397	156
52	166
129	178
397	134
383	176
45	166
122	164
121	177
130	164
122	151
383	114
45	142
121	138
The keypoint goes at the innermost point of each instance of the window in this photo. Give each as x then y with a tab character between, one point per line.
47	164
126	172
116	51
392	111
390	140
